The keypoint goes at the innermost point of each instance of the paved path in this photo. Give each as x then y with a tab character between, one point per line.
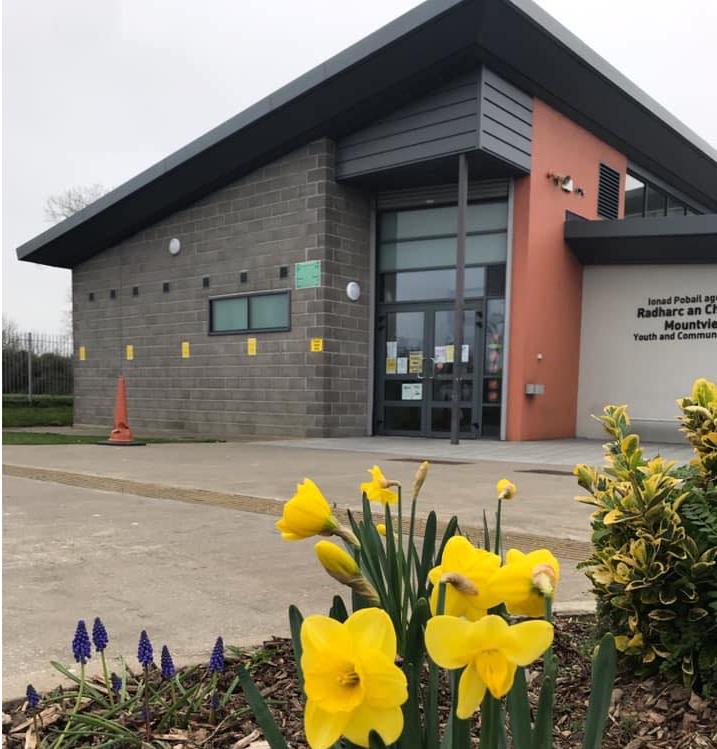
270	471
186	573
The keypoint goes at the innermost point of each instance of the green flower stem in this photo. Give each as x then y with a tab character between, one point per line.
409	565
78	701
498	539
432	710
212	691
105	673
146	702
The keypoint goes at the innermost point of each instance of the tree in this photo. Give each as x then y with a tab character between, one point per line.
64	204
10	334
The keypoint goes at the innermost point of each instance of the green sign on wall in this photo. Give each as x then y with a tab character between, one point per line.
308	274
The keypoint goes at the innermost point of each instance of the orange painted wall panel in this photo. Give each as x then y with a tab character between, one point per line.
546	281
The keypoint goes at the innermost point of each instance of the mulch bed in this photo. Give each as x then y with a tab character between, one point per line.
646	713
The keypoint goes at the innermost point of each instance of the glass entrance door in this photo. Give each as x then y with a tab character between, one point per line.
416	357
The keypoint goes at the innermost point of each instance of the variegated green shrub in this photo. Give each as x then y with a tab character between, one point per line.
654	560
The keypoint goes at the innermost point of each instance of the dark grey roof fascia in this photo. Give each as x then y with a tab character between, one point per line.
670	239
602	66
436	39
304	83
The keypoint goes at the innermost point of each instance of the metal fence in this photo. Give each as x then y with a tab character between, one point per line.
36	364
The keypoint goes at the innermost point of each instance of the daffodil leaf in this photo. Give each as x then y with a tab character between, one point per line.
486	532
603	677
429	547
295	622
263	716
393	578
338	610
450	531
519	711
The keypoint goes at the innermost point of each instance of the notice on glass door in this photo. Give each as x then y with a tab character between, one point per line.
450	353
440	354
390	365
391	349
402	365
411	391
415	362
465	353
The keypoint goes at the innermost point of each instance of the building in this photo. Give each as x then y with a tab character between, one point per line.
293	271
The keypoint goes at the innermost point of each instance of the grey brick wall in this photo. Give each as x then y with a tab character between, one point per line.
286	212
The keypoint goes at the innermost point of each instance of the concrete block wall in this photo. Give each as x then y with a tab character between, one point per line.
286	212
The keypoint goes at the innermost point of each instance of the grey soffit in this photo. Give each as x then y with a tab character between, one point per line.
416	53
475	111
387	200
671	239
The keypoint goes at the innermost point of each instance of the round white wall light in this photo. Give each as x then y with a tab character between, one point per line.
174	246
353	291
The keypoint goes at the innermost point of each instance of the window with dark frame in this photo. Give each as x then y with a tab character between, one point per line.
645	200
244	313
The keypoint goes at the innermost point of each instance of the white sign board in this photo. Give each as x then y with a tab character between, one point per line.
411	391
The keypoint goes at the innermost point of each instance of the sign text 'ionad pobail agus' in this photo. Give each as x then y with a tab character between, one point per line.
678	318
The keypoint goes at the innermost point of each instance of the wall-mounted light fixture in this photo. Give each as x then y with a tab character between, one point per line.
174	246
563	181
353	291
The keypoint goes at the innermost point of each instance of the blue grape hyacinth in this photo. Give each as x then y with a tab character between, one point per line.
167	663
99	635
33	698
81	648
216	662
116	683
145	654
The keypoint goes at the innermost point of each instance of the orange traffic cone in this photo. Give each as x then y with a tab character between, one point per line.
121	434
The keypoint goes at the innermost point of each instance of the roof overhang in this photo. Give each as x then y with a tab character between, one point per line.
406	58
653	241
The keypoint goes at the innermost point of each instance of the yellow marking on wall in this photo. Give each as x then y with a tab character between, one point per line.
317	344
185	349
129	352
251	346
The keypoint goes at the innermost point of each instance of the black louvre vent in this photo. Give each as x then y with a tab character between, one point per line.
608	193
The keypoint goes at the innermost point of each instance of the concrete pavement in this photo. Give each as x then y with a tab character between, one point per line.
185	572
545	506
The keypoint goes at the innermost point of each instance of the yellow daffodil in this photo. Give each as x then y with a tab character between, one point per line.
343	567
506	489
306	514
490	650
466	570
352	683
377	490
381	528
524	581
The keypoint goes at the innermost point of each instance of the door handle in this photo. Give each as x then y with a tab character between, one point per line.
433	369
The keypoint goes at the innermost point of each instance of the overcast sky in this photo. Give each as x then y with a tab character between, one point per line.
95	91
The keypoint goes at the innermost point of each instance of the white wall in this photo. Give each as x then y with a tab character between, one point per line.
647	374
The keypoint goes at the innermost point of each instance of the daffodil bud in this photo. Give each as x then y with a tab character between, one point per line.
381	528
421	474
506	489
544	579
338	563
461	583
343	568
